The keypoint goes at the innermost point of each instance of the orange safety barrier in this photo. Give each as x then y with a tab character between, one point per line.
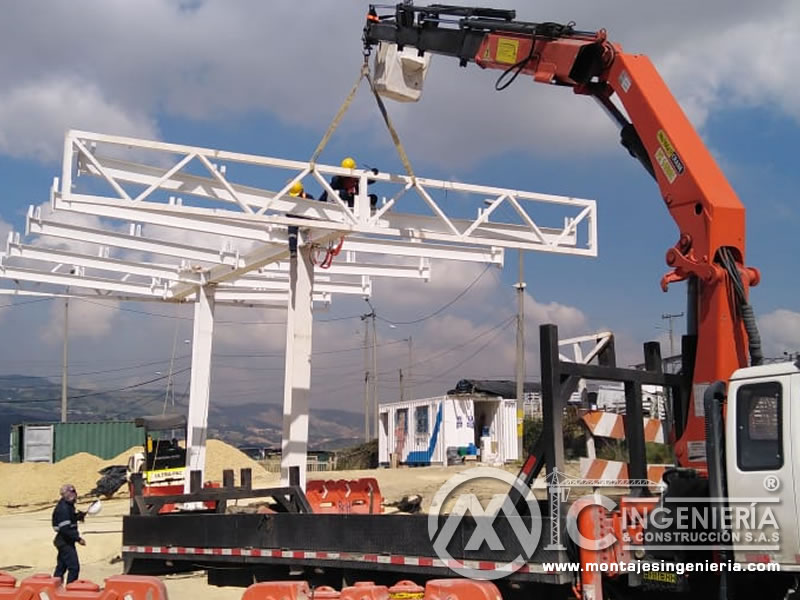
326	592
406	590
278	590
119	587
8	586
365	590
436	589
361	496
461	589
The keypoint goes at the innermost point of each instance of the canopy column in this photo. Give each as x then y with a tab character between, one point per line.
297	377
199	390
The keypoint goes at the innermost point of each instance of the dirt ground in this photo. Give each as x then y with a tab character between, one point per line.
26	536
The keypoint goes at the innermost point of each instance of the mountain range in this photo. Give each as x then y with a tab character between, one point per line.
29	399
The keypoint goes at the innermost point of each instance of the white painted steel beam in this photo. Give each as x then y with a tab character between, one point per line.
360	288
275	301
297	373
200	384
35	225
141	269
93	283
447	223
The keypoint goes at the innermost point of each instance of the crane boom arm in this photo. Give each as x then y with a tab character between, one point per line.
710	251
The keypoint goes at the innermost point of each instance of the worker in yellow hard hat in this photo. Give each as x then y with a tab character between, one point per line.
297	191
348	186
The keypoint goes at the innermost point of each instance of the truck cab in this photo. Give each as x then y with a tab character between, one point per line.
763	445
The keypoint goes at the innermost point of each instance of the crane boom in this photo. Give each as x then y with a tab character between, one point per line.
710	251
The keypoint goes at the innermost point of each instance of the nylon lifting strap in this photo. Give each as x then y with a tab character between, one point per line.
365	74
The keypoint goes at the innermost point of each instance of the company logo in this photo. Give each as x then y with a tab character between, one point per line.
772	483
527	534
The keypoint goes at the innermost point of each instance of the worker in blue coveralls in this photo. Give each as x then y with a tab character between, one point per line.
65	524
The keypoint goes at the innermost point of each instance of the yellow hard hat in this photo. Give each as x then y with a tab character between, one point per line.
296	189
348	163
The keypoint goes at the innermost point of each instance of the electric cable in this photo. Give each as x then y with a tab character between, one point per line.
441	308
97	392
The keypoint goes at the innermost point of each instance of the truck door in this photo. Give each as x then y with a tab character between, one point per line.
761	486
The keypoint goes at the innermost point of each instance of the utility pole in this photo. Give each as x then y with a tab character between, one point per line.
520	357
408	369
65	352
402	391
366	377
375	372
670	317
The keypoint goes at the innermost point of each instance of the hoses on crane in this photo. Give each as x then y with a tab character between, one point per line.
745	309
542	30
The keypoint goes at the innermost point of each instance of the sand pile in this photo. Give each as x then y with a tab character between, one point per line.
33	484
221	456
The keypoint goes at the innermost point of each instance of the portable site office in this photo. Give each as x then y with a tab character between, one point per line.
420	432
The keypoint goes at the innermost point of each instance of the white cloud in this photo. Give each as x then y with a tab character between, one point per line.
222	60
35	115
86	320
780	332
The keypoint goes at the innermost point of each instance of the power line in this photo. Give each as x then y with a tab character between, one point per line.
131	368
321	352
216	322
468	358
441	308
24	302
96	393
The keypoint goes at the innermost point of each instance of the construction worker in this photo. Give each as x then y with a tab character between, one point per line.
348	186
65	524
297	191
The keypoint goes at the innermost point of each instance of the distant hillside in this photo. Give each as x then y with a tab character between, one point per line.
35	399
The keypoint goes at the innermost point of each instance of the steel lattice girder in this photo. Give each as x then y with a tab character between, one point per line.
240	201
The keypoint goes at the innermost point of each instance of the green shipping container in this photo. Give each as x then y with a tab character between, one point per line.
105	439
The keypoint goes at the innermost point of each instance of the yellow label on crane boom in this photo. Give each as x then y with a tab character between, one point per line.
507	50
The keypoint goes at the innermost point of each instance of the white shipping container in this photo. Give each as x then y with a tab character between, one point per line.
419	432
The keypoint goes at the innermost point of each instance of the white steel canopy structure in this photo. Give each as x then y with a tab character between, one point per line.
187	224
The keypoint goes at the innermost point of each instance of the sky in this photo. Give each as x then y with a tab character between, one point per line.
267	77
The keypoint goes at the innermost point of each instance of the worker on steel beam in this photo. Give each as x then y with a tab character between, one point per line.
348	186
65	524
297	191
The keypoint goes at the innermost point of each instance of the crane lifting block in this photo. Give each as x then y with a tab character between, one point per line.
129	587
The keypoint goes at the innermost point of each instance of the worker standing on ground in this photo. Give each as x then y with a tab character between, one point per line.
65	524
348	186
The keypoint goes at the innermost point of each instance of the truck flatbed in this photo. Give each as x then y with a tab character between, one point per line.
373	544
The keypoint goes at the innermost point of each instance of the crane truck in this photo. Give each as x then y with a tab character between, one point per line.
732	424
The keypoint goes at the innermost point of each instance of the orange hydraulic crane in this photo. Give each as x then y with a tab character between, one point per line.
710	251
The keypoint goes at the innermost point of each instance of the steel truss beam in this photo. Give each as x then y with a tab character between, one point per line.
245	232
447	223
269	300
